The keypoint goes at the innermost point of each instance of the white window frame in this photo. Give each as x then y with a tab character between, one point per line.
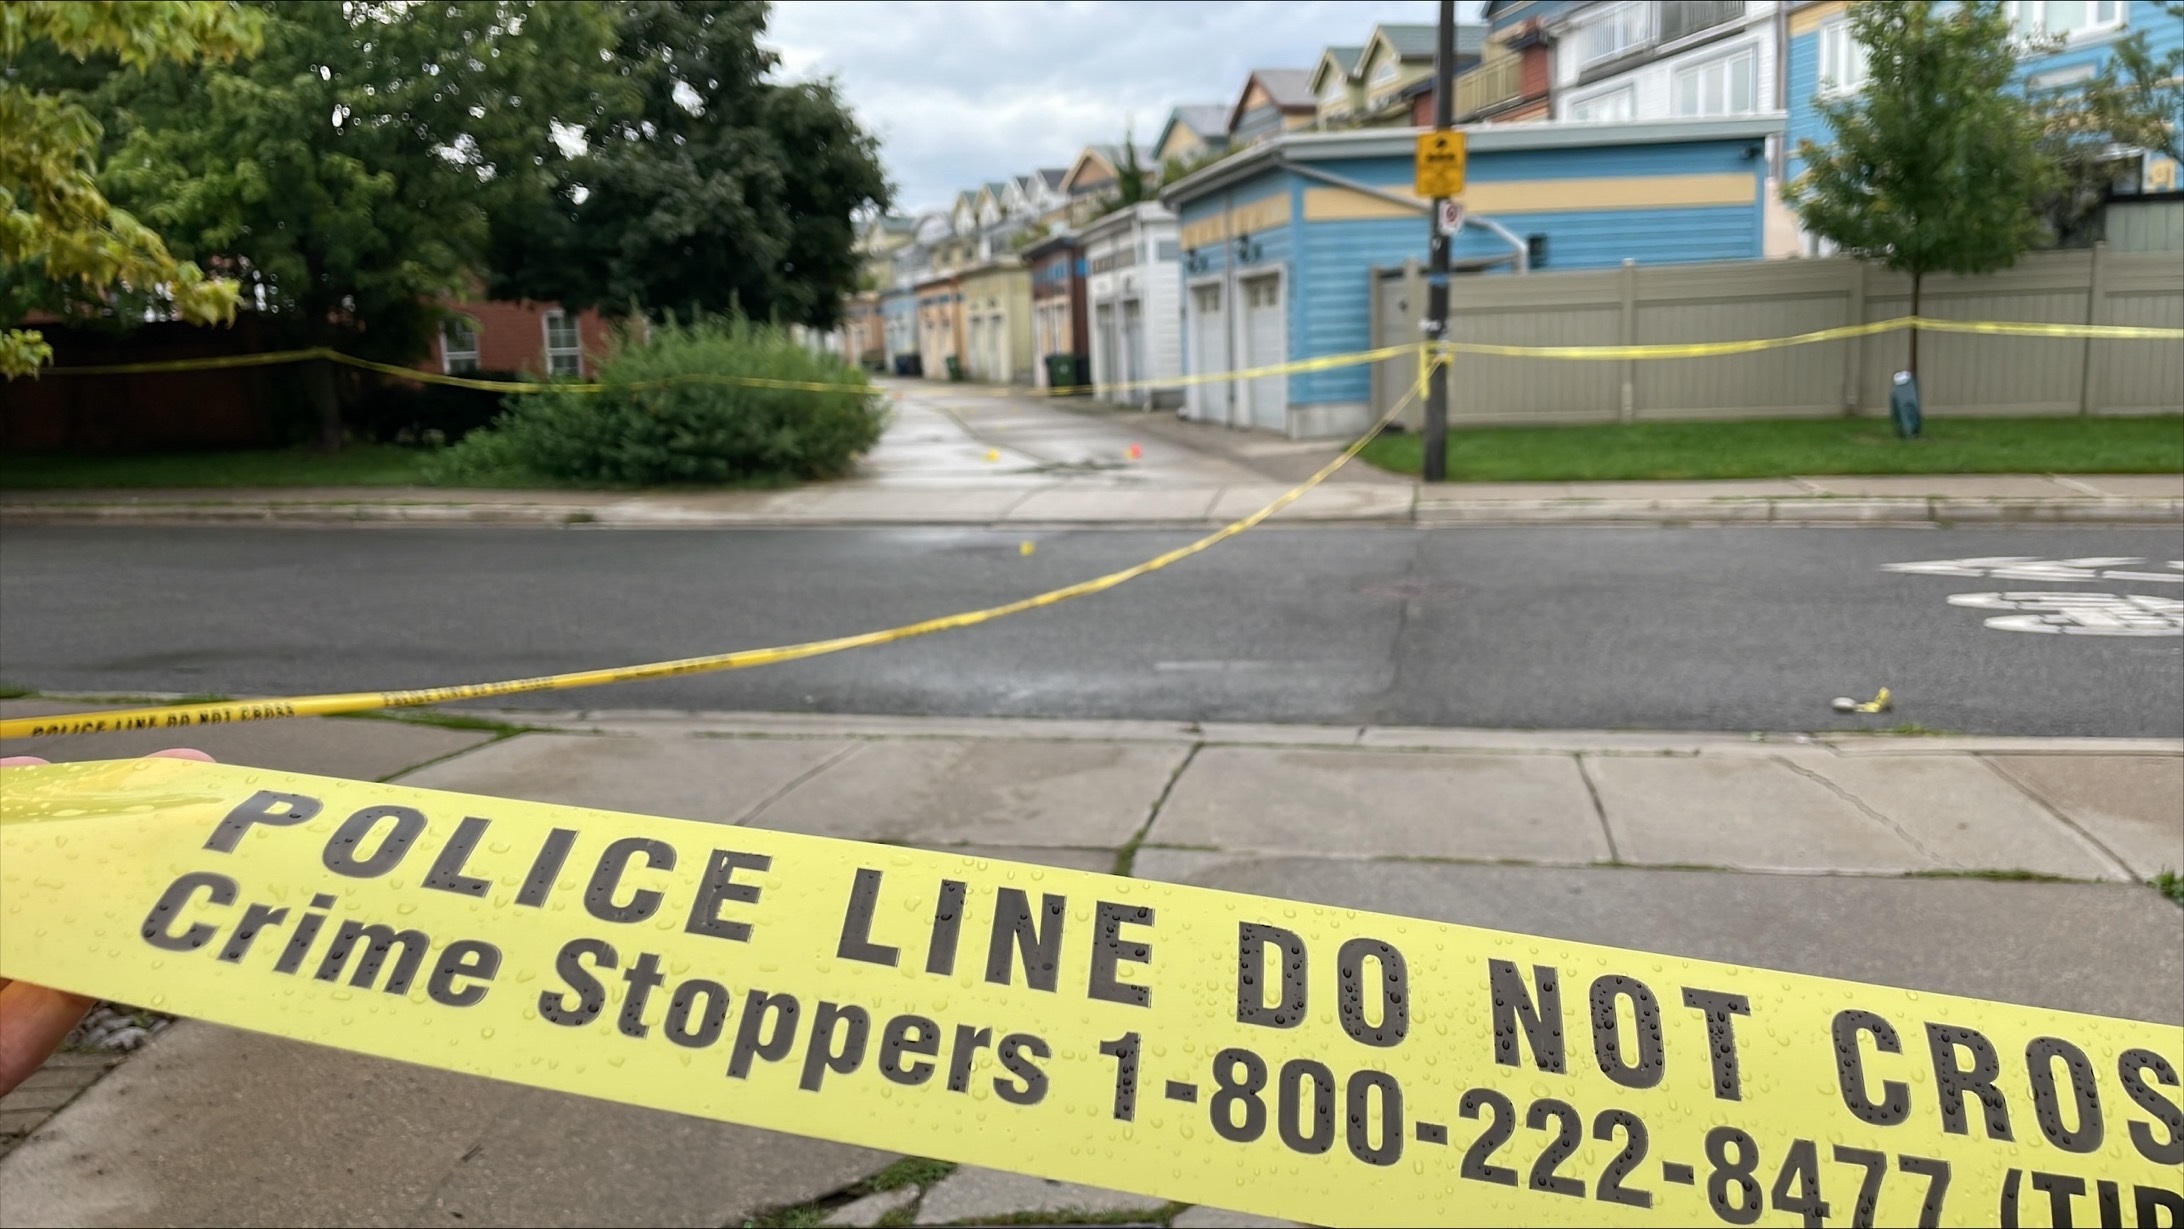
1625	92
1387	70
1639	19
2030	18
1726	64
456	362
574	355
1836	46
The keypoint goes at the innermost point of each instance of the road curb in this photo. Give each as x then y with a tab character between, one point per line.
1427	512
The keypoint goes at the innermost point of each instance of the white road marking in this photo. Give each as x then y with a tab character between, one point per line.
2029	567
2079	614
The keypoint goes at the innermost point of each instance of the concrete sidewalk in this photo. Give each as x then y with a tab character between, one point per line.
965	456
1985	867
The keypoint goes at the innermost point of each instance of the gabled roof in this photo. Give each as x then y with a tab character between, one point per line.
1335	60
1098	157
1290	88
897	225
1053	175
1415	42
997	188
1208	119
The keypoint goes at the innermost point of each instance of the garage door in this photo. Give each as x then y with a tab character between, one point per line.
1133	350
1209	354
1263	348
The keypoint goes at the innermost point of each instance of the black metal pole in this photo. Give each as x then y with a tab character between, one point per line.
1444	116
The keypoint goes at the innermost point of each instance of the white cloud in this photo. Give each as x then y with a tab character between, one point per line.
962	93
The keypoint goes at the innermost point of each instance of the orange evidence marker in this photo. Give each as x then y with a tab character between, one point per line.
1137	452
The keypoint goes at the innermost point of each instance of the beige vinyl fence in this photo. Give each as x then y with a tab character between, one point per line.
1650	305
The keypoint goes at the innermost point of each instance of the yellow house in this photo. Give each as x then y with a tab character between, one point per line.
1398	57
996	314
1273	101
1336	96
1192	132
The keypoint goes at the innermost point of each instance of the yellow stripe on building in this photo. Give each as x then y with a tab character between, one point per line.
1806	20
1549	196
1263	214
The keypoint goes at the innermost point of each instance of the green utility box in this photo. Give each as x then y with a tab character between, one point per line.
1903	404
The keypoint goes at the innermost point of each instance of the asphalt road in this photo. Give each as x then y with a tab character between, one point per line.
1617	628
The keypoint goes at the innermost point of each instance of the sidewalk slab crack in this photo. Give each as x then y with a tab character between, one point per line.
1126	857
1903	834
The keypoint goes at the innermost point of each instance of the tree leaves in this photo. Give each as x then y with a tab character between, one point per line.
1934	167
61	240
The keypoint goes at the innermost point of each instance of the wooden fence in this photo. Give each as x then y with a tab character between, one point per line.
1959	374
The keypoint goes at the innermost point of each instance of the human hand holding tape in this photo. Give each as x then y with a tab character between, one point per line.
1298	1060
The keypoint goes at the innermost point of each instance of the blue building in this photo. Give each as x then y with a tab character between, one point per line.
899	316
1823	59
1279	242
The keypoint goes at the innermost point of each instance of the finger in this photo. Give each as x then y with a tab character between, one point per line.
34	1020
21	761
181	753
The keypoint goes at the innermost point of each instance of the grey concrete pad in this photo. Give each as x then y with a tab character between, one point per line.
871	1209
2003	486
1378	802
913	504
2108	949
1563	741
2143	486
720	779
2134	805
971	1193
1106	504
1347	502
330	747
1965	814
214	1126
1099	860
1222	1218
650	723
1750	814
1263	734
984	791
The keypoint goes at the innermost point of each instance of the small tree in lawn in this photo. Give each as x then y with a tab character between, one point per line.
1935	166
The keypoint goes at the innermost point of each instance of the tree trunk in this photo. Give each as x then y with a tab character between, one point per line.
320	389
1913	367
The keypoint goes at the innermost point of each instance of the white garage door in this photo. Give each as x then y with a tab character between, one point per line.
1133	350
1263	348
1209	354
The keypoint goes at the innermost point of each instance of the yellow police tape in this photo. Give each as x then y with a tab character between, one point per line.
1716	349
1294	1060
229	711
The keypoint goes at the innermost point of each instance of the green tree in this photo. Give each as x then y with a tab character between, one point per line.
347	173
2135	102
61	241
1935	166
706	186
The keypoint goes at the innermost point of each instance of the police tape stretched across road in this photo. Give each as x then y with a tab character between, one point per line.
1328	1064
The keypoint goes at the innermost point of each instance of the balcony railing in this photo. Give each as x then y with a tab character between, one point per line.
1491	84
1683	18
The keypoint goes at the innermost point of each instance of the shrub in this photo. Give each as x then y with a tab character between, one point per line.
406	412
665	415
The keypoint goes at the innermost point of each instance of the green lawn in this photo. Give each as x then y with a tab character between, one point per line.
1776	449
360	465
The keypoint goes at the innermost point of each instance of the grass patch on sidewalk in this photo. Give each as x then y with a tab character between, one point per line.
1781	448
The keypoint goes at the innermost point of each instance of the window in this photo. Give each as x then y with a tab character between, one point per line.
1603	108
2059	78
1168	249
1683	18
1385	71
564	353
1718	87
1335	92
2067	18
458	347
1843	67
1620	30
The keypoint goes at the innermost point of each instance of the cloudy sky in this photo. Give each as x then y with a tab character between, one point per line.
965	92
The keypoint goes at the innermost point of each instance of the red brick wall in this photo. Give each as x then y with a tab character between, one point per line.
512	336
1532	71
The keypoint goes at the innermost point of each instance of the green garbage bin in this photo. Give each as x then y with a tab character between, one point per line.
955	368
1061	371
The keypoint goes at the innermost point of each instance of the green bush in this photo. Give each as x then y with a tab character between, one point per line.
665	416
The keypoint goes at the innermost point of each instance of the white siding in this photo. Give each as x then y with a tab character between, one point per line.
1652	83
1153	279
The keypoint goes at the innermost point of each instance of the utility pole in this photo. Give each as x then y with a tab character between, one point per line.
1444	118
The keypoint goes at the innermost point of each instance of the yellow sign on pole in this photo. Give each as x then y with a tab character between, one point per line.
1441	163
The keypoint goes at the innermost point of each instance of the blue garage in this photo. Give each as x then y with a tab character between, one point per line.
1279	242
